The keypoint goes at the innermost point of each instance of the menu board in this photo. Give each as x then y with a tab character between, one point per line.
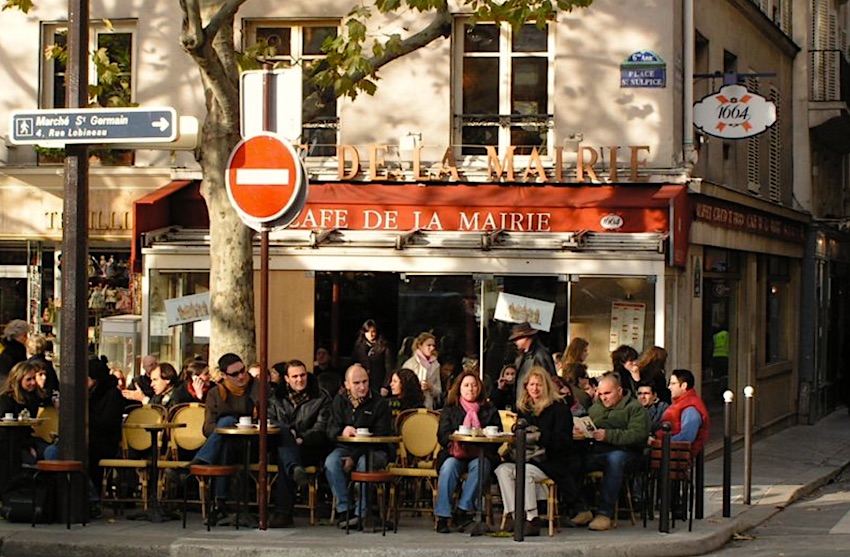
627	322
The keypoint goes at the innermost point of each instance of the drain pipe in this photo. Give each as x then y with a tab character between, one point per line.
689	153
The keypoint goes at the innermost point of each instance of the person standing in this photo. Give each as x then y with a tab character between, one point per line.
531	351
426	367
14	346
373	353
651	365
624	364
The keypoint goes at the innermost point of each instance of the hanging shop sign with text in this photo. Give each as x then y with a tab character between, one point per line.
734	113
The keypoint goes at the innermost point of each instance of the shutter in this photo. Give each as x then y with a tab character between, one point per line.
775	155
753	148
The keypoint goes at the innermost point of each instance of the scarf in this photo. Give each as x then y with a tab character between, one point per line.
471	419
225	387
355	400
298	398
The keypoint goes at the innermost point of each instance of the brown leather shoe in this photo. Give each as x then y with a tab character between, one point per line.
532	527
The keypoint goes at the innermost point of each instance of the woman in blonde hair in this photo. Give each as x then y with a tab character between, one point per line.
548	446
426	367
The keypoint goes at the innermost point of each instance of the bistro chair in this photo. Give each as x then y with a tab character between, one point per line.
681	476
133	442
417	456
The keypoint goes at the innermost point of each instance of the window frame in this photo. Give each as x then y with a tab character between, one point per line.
96	29
295	59
505	56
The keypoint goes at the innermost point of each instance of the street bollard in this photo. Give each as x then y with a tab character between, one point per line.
748	442
728	396
664	480
699	496
519	509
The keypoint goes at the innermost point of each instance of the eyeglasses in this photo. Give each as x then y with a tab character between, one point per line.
673	383
236	373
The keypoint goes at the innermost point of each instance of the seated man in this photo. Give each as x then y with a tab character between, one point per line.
656	407
622	428
688	414
357	407
302	408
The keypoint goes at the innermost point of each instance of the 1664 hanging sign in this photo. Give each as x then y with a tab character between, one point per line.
734	113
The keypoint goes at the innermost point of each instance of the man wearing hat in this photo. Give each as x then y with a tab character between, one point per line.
531	351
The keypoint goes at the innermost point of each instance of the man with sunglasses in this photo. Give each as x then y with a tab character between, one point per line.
237	394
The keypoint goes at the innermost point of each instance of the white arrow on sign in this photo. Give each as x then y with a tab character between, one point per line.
162	125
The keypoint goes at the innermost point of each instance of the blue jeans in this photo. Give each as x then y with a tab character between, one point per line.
216	450
450	473
288	457
613	465
338	480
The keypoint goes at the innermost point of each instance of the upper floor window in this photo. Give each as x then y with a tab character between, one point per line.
111	68
299	46
506	88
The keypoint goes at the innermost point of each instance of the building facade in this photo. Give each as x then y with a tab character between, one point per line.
546	174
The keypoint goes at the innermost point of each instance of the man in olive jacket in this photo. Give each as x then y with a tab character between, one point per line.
622	431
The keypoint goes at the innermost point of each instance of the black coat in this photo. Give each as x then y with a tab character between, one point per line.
13	352
309	419
106	409
451	417
376	358
373	413
555	424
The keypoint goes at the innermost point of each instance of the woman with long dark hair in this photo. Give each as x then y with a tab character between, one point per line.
373	353
405	392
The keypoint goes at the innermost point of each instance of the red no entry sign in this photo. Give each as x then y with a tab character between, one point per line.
266	181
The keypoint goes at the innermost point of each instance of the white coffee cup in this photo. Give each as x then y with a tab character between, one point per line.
9	416
491	430
245	420
361	431
464	430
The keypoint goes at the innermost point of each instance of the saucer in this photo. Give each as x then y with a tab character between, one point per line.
363	434
494	435
245	426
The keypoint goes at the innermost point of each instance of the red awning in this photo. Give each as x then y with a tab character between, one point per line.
178	203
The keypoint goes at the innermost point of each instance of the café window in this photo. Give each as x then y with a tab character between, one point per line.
777	309
178	342
505	85
299	47
608	312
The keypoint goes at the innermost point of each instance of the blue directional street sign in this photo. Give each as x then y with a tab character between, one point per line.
93	125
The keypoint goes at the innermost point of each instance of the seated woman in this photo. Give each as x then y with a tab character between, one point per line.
405	392
467	406
549	440
19	394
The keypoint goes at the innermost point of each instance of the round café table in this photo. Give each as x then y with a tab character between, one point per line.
154	512
369	442
14	456
480	527
246	434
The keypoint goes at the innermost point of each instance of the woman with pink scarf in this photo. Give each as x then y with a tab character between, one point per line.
465	405
425	365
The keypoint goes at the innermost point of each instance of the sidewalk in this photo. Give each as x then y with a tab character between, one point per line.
786	466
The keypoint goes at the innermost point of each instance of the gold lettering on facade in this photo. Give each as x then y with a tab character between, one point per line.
614	175
535	167
495	167
100	221
635	162
583	166
342	153
376	162
448	165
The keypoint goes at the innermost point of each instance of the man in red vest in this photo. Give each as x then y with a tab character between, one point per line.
687	414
